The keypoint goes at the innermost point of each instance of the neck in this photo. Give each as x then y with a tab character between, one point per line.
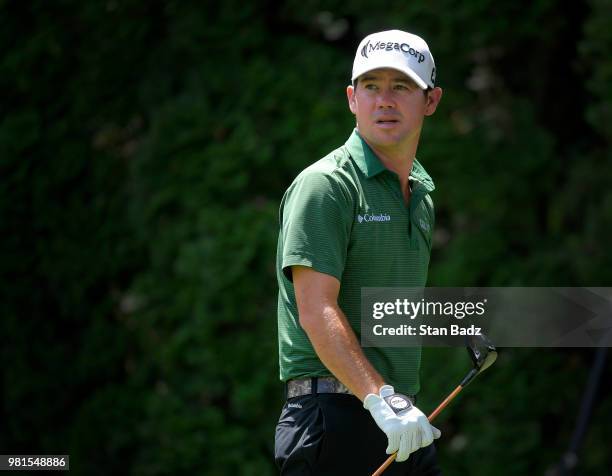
398	160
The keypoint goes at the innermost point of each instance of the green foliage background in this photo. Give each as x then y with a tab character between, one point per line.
144	149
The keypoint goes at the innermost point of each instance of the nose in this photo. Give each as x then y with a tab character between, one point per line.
385	99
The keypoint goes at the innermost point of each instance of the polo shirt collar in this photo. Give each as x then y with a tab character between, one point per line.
370	164
363	156
419	174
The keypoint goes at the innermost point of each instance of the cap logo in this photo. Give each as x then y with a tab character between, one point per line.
389	46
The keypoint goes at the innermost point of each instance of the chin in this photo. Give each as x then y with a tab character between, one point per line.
389	139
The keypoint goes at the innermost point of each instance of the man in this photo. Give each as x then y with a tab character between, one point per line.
359	217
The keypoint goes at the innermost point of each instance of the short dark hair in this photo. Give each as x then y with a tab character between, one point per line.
425	91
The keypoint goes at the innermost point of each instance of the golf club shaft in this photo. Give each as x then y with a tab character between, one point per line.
446	401
431	417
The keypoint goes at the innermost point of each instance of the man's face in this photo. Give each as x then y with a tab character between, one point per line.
390	107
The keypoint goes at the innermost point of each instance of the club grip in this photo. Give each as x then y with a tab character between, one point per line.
431	418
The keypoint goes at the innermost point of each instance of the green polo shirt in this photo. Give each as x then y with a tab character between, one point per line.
345	216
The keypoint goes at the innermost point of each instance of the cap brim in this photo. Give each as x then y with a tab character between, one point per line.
407	71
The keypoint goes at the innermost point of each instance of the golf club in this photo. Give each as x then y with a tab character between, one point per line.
483	354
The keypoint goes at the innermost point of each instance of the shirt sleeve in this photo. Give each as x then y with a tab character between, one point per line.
316	217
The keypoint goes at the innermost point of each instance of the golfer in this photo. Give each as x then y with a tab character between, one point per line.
362	216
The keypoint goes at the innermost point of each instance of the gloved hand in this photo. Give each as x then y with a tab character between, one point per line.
406	427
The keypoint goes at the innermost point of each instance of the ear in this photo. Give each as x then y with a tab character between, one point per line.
433	99
350	95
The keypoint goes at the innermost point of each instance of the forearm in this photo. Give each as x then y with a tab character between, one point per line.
338	348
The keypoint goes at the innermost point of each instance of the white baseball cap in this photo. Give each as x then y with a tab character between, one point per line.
398	50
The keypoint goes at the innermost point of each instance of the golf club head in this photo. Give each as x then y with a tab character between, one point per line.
482	352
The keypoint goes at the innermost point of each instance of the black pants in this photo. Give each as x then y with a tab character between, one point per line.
332	434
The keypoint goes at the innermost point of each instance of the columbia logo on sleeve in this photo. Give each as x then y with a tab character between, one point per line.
424	225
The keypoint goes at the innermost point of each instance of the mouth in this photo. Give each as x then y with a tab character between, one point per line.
386	122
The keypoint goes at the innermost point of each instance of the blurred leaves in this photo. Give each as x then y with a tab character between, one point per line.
144	149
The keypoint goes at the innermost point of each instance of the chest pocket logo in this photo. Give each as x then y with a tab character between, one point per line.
367	217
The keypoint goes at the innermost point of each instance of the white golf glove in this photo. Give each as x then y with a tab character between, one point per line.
406	427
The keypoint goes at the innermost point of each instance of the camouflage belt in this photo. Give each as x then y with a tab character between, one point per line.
299	387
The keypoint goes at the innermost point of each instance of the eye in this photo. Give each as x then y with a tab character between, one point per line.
371	86
401	87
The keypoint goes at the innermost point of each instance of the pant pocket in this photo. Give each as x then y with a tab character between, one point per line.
299	436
